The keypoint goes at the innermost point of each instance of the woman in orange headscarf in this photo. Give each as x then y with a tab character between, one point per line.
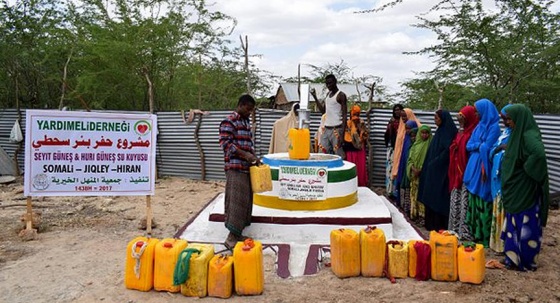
355	144
406	114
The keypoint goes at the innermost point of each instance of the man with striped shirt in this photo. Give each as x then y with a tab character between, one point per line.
236	139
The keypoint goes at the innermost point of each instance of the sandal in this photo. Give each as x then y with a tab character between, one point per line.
230	244
494	264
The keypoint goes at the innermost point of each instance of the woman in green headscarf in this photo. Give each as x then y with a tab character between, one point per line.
524	190
416	157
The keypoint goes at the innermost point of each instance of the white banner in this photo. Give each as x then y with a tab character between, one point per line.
303	183
89	154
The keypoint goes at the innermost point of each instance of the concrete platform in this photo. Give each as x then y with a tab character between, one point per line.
369	210
300	238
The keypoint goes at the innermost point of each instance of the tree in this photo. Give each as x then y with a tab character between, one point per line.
509	54
113	54
33	36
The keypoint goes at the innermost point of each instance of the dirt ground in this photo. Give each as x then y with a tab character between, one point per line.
79	256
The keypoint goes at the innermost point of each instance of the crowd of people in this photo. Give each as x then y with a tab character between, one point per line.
485	185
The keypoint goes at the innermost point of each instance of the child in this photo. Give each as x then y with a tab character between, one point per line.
416	157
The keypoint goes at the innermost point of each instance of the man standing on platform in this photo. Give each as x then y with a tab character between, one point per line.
236	139
335	109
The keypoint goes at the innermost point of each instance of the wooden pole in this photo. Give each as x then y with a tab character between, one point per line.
29	216
370	148
151	107
149	215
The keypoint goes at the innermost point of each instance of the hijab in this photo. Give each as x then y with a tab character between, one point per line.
411	124
497	156
434	183
356	133
400	140
279	142
524	168
417	152
458	155
482	139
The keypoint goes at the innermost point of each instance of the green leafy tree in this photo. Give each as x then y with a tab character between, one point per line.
506	54
120	54
33	38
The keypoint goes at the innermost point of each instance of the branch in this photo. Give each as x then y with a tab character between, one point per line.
64	75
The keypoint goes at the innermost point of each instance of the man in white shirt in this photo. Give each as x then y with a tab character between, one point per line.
335	108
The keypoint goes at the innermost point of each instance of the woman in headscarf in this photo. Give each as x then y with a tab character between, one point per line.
434	182
406	114
355	144
416	157
458	157
477	173
279	142
390	139
402	178
496	155
524	190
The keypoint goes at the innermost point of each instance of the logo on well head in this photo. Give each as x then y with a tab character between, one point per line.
322	172
142	127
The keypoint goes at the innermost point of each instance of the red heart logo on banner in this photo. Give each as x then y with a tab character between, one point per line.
142	128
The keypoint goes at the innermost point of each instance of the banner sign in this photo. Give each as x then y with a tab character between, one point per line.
89	154
303	183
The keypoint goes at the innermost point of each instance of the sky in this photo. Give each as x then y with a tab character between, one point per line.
286	33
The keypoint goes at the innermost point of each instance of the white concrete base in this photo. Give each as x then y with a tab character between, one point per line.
300	237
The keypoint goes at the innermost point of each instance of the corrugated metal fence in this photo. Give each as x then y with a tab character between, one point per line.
179	155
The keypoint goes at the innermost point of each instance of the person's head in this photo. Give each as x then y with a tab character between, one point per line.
245	106
437	117
404	116
410	124
413	133
355	113
521	119
461	119
487	112
397	109
467	117
330	82
503	115
425	132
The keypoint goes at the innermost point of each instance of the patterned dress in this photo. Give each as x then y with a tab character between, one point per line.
525	190
496	242
477	173
458	157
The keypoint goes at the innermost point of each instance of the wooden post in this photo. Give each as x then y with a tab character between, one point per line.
29	216
245	47
369	146
149	215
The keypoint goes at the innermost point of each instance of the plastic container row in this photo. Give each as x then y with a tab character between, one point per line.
367	253
193	269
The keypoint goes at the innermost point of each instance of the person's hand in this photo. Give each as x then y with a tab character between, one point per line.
313	93
253	160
